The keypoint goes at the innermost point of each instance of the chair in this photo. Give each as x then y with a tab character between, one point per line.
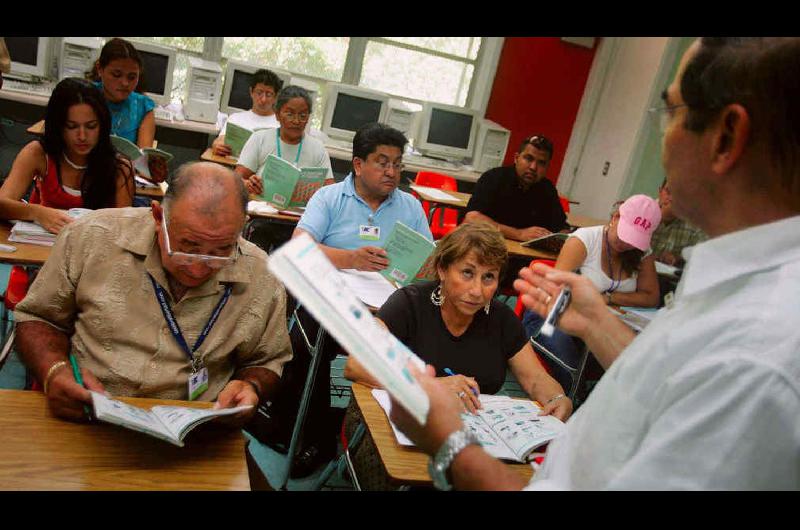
548	358
442	220
564	203
18	282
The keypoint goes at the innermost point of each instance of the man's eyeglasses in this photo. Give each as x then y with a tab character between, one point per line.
263	93
291	116
188	259
662	115
385	165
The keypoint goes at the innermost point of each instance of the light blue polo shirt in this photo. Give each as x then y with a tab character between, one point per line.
335	213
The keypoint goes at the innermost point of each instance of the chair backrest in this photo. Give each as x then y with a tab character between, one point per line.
444	220
436	180
564	203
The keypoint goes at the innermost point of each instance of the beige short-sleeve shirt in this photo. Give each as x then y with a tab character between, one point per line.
95	287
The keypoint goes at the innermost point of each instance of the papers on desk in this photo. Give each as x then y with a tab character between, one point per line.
261	207
316	283
434	193
35	234
370	287
510	429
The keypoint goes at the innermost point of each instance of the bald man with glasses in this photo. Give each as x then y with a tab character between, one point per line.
164	302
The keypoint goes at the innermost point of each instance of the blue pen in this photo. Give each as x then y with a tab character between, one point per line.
448	371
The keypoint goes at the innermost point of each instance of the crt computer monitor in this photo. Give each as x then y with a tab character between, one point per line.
347	108
158	64
447	131
29	56
236	91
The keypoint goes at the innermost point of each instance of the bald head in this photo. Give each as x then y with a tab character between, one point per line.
208	189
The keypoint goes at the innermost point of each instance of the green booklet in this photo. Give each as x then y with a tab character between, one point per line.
236	136
407	250
149	162
289	186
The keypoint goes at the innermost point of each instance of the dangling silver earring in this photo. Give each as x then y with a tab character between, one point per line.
437	298
486	307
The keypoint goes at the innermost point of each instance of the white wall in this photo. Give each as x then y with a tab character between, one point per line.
614	124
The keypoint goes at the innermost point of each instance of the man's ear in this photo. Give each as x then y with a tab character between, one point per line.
157	212
357	166
731	136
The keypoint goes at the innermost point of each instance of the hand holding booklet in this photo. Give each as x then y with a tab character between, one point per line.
316	283
169	423
407	251
149	162
289	186
510	429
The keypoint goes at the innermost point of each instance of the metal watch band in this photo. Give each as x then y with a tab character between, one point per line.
440	463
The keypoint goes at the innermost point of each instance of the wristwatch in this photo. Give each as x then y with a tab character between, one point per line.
440	463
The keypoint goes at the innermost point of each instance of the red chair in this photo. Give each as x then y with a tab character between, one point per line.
564	203
520	307
444	220
18	282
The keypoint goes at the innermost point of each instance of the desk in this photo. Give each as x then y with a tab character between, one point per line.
209	156
26	253
515	248
42	452
405	465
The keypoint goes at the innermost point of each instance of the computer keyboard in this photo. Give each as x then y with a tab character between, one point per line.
161	113
40	89
432	162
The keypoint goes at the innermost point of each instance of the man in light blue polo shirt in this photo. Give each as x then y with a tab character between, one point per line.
352	219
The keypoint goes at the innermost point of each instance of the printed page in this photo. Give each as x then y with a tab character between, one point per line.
518	424
317	284
407	250
382	397
126	147
311	179
128	416
434	193
279	178
236	137
370	287
144	183
178	421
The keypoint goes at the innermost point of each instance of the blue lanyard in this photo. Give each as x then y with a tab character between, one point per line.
161	295
618	281
278	143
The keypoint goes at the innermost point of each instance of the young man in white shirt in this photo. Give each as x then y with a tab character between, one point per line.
706	397
264	88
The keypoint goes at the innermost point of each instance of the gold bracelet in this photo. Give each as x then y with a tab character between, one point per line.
50	373
559	396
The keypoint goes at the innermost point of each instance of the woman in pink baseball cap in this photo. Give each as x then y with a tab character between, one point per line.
617	258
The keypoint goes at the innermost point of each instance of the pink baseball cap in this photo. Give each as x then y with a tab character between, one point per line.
638	218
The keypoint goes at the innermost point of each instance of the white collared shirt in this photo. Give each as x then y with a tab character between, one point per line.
708	396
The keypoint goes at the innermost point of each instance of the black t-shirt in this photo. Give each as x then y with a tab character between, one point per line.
498	195
482	351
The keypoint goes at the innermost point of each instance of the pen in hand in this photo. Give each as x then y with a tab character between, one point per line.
448	371
77	373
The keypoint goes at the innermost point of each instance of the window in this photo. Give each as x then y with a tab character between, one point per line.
321	57
191	44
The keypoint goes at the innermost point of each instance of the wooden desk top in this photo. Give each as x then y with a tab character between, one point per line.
209	156
575	219
42	452
459	199
405	465
154	193
26	254
37	128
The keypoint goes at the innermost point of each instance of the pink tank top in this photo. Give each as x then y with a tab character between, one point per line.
48	192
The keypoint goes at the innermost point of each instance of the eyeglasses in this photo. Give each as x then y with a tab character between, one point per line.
539	142
263	93
291	116
188	259
385	165
662	115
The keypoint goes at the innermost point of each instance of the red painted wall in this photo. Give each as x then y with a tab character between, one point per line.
537	90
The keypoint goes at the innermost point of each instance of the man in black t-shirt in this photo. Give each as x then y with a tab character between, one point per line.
518	199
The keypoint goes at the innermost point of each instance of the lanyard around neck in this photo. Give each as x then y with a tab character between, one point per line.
614	283
161	295
278	143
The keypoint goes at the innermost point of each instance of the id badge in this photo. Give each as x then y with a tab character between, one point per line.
372	233
198	383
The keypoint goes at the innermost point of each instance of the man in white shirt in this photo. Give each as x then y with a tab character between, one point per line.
264	88
706	397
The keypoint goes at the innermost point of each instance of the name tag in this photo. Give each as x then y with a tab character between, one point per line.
372	233
198	383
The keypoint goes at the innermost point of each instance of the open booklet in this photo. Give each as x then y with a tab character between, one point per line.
149	162
507	428
169	423
549	243
311	278
289	186
35	234
407	251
